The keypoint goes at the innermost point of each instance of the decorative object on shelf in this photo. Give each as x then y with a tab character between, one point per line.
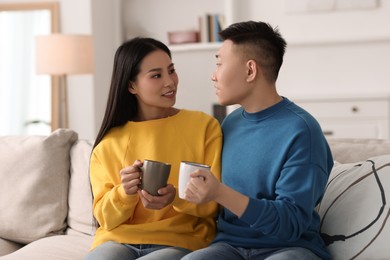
61	55
209	27
179	37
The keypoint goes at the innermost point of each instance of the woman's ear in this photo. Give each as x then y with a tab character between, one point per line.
131	88
252	70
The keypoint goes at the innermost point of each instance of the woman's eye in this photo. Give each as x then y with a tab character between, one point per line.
171	71
157	76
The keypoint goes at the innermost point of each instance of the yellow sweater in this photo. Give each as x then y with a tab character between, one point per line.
186	136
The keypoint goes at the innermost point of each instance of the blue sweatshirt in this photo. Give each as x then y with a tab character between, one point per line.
280	159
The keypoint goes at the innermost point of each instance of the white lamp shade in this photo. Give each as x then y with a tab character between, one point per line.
62	54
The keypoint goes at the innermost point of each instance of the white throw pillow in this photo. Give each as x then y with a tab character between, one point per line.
354	211
34	174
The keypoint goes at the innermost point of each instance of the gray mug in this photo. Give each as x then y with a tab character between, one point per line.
154	175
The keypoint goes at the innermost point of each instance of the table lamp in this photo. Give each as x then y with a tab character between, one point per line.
60	55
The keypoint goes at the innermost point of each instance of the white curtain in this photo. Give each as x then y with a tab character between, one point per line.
25	96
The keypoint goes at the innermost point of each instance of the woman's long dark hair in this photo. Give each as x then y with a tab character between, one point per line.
122	106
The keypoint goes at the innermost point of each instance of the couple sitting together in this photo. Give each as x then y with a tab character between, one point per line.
269	159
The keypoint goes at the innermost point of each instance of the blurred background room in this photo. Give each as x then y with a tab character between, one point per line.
336	64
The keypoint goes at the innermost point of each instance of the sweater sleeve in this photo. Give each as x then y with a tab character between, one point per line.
212	156
112	206
290	214
299	187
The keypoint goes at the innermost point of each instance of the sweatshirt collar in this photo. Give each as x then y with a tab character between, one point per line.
262	114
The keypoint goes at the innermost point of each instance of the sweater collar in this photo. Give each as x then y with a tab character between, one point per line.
257	116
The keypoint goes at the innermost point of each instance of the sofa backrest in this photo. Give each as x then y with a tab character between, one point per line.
80	217
346	150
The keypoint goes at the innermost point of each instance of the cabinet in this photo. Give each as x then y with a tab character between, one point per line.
351	117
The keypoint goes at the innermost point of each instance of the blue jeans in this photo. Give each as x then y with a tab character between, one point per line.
224	251
116	251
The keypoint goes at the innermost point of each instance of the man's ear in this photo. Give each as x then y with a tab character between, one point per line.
252	70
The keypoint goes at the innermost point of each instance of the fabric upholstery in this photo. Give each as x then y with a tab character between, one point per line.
34	177
7	247
349	150
354	214
80	196
60	247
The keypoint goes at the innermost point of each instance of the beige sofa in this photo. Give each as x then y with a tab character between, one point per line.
46	213
46	201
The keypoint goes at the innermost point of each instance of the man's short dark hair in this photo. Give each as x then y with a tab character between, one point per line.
260	42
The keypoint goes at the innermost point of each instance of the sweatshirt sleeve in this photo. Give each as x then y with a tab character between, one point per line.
111	205
290	214
212	145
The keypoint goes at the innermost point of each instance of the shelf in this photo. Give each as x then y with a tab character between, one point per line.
194	47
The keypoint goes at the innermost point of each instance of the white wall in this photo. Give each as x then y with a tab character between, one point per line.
107	30
330	52
195	89
88	94
76	17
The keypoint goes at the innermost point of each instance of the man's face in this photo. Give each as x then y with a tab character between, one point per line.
230	74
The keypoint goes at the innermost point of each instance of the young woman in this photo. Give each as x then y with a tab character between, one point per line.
141	123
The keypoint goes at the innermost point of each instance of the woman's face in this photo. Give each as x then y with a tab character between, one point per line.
156	84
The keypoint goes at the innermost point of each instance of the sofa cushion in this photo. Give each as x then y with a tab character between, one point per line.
80	216
7	247
34	173
354	212
61	247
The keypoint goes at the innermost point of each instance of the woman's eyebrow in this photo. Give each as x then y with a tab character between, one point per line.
154	70
160	69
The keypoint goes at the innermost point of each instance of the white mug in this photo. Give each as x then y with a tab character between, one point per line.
186	168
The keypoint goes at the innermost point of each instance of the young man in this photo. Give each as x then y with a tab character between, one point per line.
275	158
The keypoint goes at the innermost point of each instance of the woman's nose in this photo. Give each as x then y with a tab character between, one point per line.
168	81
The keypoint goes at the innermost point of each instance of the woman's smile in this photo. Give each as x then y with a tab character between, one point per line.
169	94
